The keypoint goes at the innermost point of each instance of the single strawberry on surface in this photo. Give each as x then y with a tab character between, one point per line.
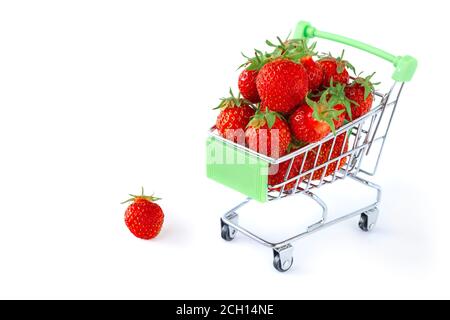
313	120
360	91
143	217
282	84
235	113
268	133
335	69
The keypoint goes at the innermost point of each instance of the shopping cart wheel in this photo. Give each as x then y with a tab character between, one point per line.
282	258
228	233
368	220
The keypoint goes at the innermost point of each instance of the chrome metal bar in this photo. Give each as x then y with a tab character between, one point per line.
367	141
329	158
297	182
318	167
264	242
314	167
324	209
370	139
240	147
388	127
354	150
288	171
345	127
328	224
384	103
347	134
238	206
213	133
315	227
249	233
369	184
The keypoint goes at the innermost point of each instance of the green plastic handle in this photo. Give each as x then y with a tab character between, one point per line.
405	66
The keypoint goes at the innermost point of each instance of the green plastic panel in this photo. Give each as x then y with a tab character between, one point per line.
236	169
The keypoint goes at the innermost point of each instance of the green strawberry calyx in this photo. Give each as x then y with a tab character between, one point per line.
337	96
367	83
290	49
324	111
293	49
264	117
256	62
142	196
233	101
341	64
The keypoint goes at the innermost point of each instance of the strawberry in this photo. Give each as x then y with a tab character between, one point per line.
282	84
314	71
324	157
340	119
360	91
144	217
247	78
335	69
338	99
233	118
268	133
315	120
277	173
247	85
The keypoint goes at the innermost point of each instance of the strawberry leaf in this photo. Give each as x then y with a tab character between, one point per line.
270	118
351	67
233	101
330	122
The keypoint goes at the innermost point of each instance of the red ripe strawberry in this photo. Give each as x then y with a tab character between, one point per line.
247	85
338	99
307	128
247	78
233	118
360	92
277	173
314	71
335	70
282	84
268	133
143	217
315	120
324	156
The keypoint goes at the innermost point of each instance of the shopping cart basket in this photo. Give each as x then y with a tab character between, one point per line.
246	171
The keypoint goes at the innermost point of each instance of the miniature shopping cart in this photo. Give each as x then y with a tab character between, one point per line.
247	172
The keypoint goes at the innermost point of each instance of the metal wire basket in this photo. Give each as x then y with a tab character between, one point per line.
246	171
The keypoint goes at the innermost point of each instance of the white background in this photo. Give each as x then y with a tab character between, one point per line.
100	97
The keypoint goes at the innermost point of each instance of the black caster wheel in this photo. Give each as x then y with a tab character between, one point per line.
227	232
283	259
368	220
363	223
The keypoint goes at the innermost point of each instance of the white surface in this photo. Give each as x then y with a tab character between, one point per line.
100	97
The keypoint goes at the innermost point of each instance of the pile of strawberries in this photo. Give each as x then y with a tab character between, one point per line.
291	97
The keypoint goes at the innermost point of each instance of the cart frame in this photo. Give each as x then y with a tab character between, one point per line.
360	135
